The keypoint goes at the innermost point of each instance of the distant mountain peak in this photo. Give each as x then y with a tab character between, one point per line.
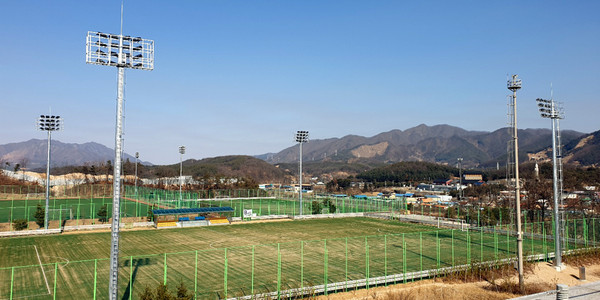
438	143
32	154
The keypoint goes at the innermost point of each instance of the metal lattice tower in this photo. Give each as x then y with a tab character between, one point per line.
510	152
121	51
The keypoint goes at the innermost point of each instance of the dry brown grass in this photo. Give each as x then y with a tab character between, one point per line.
509	285
582	258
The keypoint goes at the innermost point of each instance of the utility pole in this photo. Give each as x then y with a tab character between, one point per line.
514	85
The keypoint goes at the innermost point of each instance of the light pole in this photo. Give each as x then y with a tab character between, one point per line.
514	85
118	50
49	124
301	138
181	153
137	155
460	159
549	110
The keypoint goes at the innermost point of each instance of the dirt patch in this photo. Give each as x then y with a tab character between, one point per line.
543	276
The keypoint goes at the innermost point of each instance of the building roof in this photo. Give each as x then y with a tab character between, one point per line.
200	210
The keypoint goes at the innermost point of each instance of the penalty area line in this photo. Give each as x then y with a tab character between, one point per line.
42	267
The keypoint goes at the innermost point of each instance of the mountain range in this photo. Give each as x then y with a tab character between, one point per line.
32	154
439	143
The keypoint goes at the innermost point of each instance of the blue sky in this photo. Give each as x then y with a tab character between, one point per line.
240	77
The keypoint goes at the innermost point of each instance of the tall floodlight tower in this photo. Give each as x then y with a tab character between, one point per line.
49	124
514	84
121	51
301	138
550	110
460	160
181	153
137	156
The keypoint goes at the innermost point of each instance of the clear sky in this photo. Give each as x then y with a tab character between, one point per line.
240	77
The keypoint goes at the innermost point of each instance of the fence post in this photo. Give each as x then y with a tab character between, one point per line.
95	276
12	281
437	241
196	275
481	244
544	242
367	260
302	264
420	250
403	258
495	243
252	278
468	247
594	230
385	258
130	276
165	270
326	267
452	248
346	254
225	273
278	272
55	273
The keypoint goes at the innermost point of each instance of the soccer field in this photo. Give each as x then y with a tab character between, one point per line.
244	259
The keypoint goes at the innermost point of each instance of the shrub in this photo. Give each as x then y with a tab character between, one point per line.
20	224
316	207
162	292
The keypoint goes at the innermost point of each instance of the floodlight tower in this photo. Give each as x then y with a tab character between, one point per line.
181	153
137	156
514	84
121	51
49	124
301	138
550	110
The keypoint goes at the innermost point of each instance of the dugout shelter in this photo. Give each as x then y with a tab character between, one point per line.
192	217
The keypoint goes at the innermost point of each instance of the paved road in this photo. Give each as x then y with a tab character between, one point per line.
585	291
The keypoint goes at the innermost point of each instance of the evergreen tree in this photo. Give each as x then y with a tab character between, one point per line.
103	213
40	215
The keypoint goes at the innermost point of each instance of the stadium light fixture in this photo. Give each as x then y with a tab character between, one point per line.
181	153
121	51
550	110
48	123
301	138
514	84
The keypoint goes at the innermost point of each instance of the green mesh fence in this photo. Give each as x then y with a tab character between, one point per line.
278	268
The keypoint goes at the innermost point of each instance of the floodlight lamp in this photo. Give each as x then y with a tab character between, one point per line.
137	53
302	136
137	155
514	83
49	123
182	150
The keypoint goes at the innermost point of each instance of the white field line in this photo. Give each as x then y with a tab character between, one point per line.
42	267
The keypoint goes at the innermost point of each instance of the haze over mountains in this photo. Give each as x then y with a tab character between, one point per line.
439	143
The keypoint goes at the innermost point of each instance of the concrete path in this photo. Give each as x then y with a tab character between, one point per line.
585	291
